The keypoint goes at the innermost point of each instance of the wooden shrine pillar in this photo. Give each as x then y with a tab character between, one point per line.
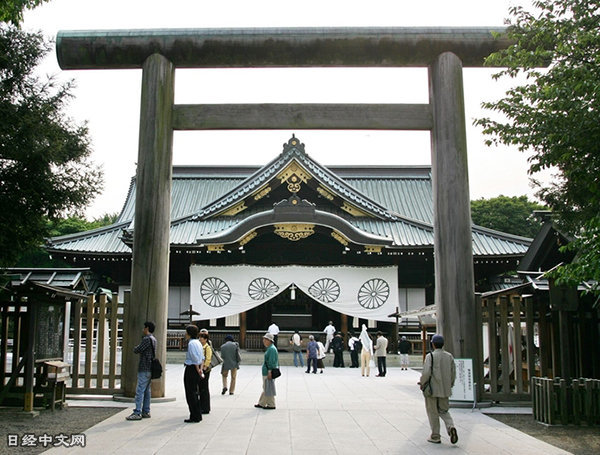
150	269
344	328
243	329
454	280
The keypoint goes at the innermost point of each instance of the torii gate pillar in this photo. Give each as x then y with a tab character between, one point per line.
152	222
454	280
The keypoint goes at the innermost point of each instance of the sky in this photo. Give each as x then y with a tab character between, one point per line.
109	100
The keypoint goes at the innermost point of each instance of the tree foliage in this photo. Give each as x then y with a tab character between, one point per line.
12	10
512	215
45	170
37	256
555	115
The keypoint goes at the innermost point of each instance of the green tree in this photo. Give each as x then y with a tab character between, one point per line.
12	10
45	170
555	115
507	214
37	256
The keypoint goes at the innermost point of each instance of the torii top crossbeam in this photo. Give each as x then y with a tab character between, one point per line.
277	47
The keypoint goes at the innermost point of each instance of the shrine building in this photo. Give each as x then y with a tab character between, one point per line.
292	242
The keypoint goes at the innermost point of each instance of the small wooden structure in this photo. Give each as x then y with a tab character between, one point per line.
34	333
57	336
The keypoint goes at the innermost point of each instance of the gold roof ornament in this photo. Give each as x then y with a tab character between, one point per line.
294	232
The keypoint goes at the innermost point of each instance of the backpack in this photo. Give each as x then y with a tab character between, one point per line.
357	346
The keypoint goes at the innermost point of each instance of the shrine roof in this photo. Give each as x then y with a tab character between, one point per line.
391	202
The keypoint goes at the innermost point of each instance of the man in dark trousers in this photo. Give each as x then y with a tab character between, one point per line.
193	373
337	345
355	347
437	397
146	349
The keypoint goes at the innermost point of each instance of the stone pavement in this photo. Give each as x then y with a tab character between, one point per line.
335	412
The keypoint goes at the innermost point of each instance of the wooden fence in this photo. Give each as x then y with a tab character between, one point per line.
510	321
96	354
557	402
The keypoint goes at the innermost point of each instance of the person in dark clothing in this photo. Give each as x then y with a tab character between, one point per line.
204	391
146	350
338	350
193	373
404	349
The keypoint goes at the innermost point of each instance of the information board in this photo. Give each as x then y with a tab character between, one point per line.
463	389
49	335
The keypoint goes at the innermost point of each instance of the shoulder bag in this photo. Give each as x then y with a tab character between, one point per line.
215	359
275	373
156	368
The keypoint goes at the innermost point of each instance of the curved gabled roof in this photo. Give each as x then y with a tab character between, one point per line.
388	202
293	151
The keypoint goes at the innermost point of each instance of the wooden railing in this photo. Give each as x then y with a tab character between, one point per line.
96	346
555	401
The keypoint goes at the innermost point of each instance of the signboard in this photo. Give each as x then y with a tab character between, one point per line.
463	389
49	336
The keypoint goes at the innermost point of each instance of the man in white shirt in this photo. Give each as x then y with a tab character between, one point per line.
274	330
330	332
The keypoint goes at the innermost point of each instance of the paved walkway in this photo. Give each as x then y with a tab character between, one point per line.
338	412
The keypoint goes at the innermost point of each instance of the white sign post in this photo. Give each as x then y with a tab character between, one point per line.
463	389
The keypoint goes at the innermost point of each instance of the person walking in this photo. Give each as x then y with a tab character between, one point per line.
329	332
404	349
193	373
312	352
230	353
271	361
320	355
204	391
274	330
146	349
355	347
437	380
381	354
296	342
366	352
338	350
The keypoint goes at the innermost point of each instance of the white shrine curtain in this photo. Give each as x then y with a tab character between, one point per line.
364	292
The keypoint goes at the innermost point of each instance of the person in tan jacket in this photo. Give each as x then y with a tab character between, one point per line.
437	380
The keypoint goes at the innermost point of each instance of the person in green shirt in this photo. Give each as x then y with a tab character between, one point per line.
267	398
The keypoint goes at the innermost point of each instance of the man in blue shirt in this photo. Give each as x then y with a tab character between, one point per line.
193	373
146	349
312	350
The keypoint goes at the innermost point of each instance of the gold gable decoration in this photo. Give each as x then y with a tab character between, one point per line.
248	237
340	238
217	248
294	232
323	192
235	209
352	210
372	249
294	175
262	193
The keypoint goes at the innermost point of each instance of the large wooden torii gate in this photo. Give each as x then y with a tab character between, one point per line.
444	51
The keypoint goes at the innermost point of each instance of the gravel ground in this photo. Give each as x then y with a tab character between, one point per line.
579	440
69	421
